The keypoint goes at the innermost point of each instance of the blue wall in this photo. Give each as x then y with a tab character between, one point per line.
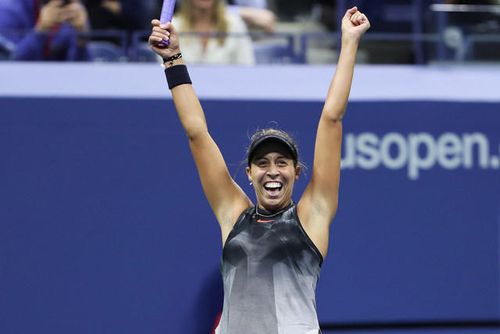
104	228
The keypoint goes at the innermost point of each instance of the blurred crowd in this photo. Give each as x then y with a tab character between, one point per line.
61	29
216	31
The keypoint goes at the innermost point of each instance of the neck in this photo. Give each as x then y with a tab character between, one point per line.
202	15
263	212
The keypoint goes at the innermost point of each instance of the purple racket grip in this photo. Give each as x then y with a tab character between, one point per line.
167	12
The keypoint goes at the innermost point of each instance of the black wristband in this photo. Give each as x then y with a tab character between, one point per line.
177	75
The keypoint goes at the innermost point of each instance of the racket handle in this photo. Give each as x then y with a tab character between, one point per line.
167	12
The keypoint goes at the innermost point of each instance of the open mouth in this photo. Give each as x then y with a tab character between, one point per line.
273	187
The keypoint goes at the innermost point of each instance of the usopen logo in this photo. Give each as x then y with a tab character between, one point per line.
417	152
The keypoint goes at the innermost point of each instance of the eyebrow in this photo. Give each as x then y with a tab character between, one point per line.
280	156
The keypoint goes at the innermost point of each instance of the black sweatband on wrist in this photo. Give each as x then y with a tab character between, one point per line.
177	75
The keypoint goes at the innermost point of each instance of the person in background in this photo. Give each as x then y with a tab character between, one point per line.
45	30
213	35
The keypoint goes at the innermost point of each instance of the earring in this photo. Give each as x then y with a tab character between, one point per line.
251	183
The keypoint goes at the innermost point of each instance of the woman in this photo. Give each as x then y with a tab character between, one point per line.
213	34
272	250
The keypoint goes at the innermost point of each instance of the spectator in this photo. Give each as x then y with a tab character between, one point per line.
213	35
45	30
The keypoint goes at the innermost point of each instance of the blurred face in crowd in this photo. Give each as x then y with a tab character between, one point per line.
204	4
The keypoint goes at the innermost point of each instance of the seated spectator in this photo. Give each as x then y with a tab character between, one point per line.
212	34
45	30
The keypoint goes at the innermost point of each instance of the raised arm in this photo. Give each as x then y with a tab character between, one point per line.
318	204
226	198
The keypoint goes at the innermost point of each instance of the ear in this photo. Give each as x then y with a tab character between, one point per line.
249	175
298	170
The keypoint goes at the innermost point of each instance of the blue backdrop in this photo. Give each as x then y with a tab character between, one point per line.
104	227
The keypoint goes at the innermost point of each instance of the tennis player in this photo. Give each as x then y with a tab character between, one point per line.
273	249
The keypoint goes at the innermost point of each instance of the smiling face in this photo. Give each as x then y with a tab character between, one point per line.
273	173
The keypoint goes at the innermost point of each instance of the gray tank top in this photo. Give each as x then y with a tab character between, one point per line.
270	268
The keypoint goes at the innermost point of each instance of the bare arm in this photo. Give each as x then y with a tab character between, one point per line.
226	198
261	18
318	205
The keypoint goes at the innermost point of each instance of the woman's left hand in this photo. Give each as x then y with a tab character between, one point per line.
354	24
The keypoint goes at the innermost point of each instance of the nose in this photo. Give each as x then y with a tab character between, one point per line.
273	170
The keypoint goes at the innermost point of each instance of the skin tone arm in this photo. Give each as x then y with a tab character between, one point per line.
226	198
318	204
259	18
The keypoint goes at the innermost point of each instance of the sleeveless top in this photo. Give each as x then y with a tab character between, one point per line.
270	268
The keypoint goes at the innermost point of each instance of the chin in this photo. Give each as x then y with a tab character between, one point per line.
274	204
204	4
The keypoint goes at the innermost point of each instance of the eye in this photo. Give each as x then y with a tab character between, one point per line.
261	162
282	163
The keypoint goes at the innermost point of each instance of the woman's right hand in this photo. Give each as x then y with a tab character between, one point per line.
354	24
163	33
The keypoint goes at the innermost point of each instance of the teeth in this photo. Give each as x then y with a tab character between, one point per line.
272	185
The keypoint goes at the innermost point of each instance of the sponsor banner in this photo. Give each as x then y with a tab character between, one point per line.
103	216
417	152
